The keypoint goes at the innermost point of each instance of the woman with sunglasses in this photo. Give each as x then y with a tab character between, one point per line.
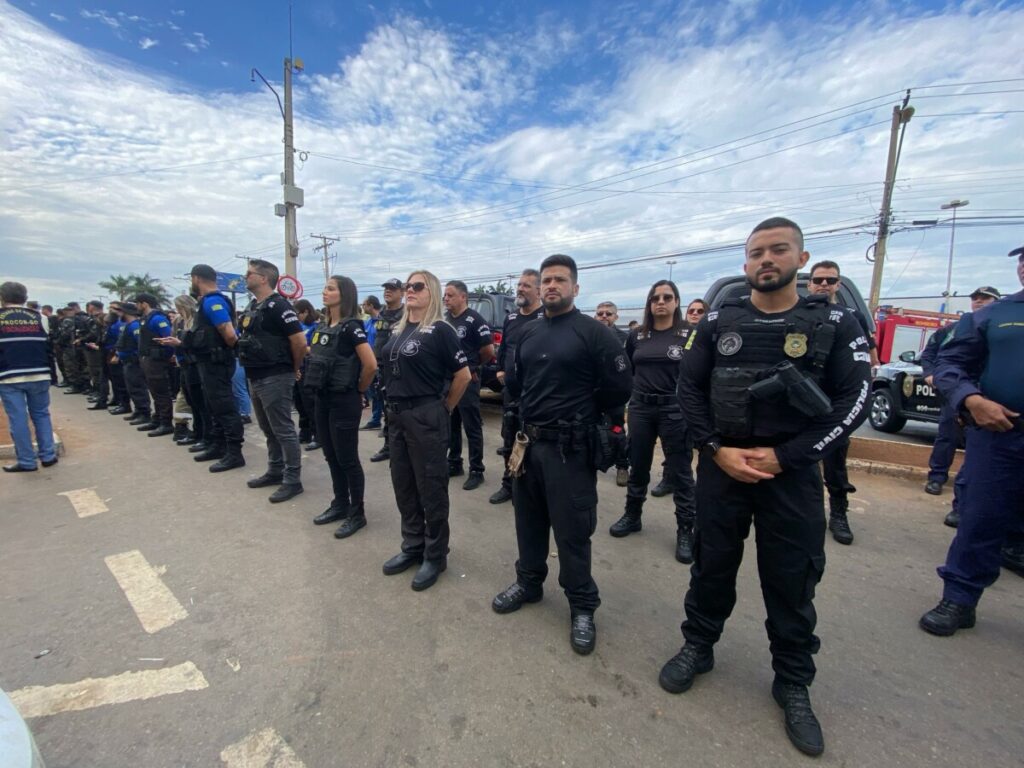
339	368
655	349
422	354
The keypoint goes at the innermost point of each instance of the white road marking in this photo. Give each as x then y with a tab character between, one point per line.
154	604
40	700
261	749
86	502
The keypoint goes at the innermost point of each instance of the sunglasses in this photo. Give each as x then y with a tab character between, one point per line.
604	314
665	297
825	280
415	287
695	311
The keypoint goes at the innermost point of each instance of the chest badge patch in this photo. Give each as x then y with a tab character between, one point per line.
324	340
908	386
461	331
620	363
245	321
796	344
675	352
729	343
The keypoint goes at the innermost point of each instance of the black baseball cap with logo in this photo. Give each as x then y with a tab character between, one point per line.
986	290
393	284
1019	252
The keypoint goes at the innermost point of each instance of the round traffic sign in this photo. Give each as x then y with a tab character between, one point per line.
289	287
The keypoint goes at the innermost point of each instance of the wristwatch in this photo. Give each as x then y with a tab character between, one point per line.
711	447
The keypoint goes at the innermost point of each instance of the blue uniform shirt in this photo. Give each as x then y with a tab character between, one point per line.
216	310
132	351
985	355
370	326
113	332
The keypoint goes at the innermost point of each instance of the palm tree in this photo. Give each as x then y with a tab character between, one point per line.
148	284
118	284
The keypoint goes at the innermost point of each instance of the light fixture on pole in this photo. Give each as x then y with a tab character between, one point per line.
954	205
671	263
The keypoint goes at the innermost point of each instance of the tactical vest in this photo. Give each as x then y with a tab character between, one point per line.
746	350
148	347
126	340
326	369
257	347
203	341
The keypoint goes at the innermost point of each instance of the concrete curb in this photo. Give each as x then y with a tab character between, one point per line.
7	450
889	470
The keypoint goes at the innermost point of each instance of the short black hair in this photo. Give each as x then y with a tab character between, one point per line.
459	286
780	222
561	260
826	264
73	305
48	306
373	301
13	293
95	303
266	269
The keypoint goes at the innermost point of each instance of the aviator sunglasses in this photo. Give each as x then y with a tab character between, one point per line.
824	280
665	297
414	287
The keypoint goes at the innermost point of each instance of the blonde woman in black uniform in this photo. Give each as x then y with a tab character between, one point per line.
422	354
339	368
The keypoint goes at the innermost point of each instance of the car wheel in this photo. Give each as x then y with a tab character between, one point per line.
884	416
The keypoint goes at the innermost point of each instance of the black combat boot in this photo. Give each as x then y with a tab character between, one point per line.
213	451
684	542
947	617
1013	559
802	726
180	431
837	522
630	520
352	523
232	459
678	674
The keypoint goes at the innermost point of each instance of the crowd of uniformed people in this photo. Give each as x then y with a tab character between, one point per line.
765	387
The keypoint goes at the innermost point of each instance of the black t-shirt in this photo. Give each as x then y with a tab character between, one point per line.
417	363
655	358
383	325
473	333
278	319
864	326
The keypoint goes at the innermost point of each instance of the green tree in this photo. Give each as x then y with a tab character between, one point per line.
119	285
147	284
500	287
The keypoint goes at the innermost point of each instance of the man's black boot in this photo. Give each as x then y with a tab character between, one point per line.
501	495
679	672
802	726
837	521
663	488
684	543
583	633
180	431
403	561
455	470
160	431
351	524
285	492
427	574
474	481
100	405
514	597
332	514
139	418
952	519
1013	559
212	452
265	480
629	522
199	447
120	410
947	617
382	455
232	459
148	426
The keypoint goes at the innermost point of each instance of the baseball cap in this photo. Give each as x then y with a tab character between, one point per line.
1017	252
394	284
986	290
130	308
204	272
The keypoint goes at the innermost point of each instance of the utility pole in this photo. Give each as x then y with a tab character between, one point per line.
900	117
954	205
671	263
326	241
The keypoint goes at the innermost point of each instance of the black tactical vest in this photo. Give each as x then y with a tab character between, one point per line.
203	341
747	348
326	369
257	347
125	339
148	347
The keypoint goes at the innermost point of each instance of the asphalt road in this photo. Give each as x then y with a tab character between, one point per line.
266	642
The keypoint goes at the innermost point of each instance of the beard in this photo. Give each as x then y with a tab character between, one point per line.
522	302
559	304
774	283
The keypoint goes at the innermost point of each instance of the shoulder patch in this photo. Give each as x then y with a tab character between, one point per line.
216	306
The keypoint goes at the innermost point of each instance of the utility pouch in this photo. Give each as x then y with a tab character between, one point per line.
731	401
517	457
318	373
250	351
602	455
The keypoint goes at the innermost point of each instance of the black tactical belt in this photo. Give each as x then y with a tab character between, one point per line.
541	433
643	397
408	403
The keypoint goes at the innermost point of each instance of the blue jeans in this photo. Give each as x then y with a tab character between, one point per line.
22	402
241	390
376	404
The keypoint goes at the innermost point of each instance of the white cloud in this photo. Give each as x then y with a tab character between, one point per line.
58	17
147	42
418	97
101	16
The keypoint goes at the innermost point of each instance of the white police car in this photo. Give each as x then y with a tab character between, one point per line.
900	394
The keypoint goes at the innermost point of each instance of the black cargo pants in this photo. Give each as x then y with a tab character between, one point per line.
225	422
135	381
647	423
467	415
158	381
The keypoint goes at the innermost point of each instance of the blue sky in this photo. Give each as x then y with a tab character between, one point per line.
475	139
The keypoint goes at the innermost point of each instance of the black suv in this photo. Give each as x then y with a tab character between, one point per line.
736	286
494	307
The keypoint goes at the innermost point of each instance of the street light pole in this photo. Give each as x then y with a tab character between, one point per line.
671	263
954	205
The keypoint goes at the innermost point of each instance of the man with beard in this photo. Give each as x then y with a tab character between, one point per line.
569	370
385	323
528	302
770	384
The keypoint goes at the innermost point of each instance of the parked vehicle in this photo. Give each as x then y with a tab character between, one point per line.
494	307
17	747
899	394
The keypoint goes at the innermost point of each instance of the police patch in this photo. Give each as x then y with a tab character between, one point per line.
411	348
908	386
620	363
796	344
461	330
729	343
245	321
675	352
323	340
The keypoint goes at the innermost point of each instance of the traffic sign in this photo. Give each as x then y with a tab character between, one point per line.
230	282
289	287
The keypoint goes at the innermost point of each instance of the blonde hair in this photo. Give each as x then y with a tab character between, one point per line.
435	308
186	307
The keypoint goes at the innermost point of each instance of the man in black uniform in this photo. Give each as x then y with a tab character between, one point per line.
384	326
825	281
71	328
568	371
770	384
93	331
528	302
608	313
155	360
475	340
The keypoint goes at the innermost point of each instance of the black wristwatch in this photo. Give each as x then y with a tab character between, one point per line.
711	447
